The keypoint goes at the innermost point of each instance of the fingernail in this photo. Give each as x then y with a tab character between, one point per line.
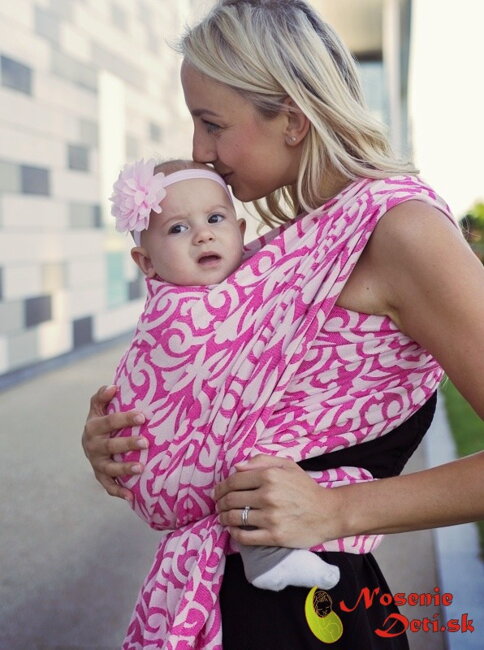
136	469
139	418
142	444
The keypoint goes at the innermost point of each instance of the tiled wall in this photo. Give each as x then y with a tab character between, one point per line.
66	278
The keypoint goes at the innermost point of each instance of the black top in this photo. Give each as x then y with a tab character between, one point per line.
258	619
384	456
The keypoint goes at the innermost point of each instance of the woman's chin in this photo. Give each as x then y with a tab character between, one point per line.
245	194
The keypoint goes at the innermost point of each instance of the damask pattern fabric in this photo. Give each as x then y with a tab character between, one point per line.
262	363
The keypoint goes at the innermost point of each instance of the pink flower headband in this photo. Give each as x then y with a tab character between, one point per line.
138	192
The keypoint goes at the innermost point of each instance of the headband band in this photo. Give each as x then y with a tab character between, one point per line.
138	192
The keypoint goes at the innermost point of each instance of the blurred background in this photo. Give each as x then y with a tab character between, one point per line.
85	86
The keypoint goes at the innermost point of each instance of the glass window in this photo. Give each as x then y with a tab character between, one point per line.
78	157
35	180
16	75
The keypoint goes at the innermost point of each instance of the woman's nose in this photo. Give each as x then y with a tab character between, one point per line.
203	149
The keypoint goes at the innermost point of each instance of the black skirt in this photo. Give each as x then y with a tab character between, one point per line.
358	613
258	619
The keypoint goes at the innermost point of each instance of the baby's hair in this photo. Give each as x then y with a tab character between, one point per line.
268	50
173	165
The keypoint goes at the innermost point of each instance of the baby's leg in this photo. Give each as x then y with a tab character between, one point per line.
273	567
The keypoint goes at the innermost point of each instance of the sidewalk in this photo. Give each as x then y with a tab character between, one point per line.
72	558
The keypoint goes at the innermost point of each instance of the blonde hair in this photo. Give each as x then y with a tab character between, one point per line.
268	50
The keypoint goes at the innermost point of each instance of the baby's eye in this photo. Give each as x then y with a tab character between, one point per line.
177	228
216	218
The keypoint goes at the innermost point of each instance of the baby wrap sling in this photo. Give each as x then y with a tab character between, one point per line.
260	363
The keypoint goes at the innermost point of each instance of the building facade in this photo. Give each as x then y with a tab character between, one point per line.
85	85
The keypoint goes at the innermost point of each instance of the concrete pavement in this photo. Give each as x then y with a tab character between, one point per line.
72	559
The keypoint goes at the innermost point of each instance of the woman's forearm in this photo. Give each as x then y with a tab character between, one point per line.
442	496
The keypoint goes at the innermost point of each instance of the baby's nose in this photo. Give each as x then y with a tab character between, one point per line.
204	234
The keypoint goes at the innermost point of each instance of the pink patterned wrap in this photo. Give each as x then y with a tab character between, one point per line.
262	363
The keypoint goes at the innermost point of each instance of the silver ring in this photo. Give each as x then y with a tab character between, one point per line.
244	515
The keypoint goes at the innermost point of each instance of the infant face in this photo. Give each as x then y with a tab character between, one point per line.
197	239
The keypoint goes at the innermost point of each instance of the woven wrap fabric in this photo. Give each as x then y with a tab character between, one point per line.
261	363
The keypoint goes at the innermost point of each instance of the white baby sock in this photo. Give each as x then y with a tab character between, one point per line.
301	568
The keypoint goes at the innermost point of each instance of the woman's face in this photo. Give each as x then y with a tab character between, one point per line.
251	152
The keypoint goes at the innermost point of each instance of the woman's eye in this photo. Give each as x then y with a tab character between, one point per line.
216	218
211	127
177	228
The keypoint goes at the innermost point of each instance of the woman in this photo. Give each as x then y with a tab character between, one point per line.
277	110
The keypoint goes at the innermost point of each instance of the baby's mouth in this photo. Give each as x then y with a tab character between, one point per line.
209	259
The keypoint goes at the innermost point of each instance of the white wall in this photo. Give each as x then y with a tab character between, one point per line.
446	95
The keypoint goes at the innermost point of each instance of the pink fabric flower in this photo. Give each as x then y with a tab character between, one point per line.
135	194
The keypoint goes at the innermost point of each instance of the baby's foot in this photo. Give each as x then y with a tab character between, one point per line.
300	568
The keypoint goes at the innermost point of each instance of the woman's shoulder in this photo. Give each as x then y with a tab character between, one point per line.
386	193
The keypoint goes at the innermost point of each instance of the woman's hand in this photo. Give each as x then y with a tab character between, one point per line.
99	447
286	504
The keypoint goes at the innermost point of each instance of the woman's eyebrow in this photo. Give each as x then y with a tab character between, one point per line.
204	111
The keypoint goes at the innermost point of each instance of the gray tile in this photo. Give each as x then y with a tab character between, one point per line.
118	16
153	40
16	75
1	284
74	71
53	276
11	316
37	310
47	24
136	288
119	66
132	147
155	132
145	13
9	177
84	215
63	8
98	220
88	133
22	349
78	157
35	180
82	332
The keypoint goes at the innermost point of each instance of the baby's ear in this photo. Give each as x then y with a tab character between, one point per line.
242	225
143	260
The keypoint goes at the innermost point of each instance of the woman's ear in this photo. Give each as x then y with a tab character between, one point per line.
143	260
297	123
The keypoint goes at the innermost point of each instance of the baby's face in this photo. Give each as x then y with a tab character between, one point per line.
197	239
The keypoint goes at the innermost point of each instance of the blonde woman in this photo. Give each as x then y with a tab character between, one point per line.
278	112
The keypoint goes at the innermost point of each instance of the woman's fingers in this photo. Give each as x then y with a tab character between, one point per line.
99	446
101	399
249	474
262	461
112	488
287	506
103	425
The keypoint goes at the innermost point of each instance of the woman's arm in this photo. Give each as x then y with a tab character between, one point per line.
431	284
99	447
291	510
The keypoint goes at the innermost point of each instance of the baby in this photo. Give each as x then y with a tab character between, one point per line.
187	233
